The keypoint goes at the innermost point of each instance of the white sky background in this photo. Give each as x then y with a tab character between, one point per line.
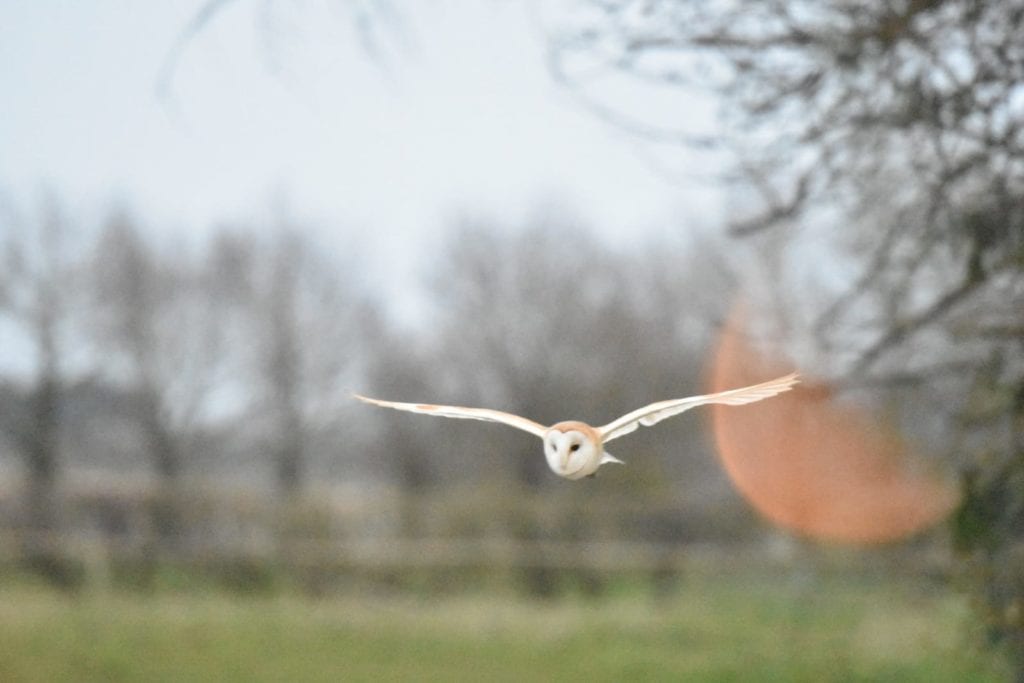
279	103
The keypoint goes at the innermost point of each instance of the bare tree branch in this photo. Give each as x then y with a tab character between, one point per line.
206	13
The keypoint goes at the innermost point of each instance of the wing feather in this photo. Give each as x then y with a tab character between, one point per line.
485	414
656	412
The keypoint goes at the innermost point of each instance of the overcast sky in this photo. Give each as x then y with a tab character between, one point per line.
377	138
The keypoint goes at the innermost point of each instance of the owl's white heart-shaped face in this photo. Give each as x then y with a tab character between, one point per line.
572	450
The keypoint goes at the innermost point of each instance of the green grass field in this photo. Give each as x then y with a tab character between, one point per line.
723	629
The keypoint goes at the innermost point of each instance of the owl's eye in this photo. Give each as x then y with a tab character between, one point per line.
575	447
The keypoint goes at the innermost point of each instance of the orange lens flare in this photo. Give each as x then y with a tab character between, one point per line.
815	467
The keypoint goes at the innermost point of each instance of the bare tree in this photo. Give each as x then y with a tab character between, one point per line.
897	126
37	288
395	366
157	327
296	340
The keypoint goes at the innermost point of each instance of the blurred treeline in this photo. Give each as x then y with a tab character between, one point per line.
187	402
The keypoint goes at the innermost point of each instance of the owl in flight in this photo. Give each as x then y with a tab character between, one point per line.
575	449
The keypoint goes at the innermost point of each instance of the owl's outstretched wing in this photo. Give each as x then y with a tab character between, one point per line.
464	413
656	412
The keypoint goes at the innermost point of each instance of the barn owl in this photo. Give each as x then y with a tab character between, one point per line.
575	449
